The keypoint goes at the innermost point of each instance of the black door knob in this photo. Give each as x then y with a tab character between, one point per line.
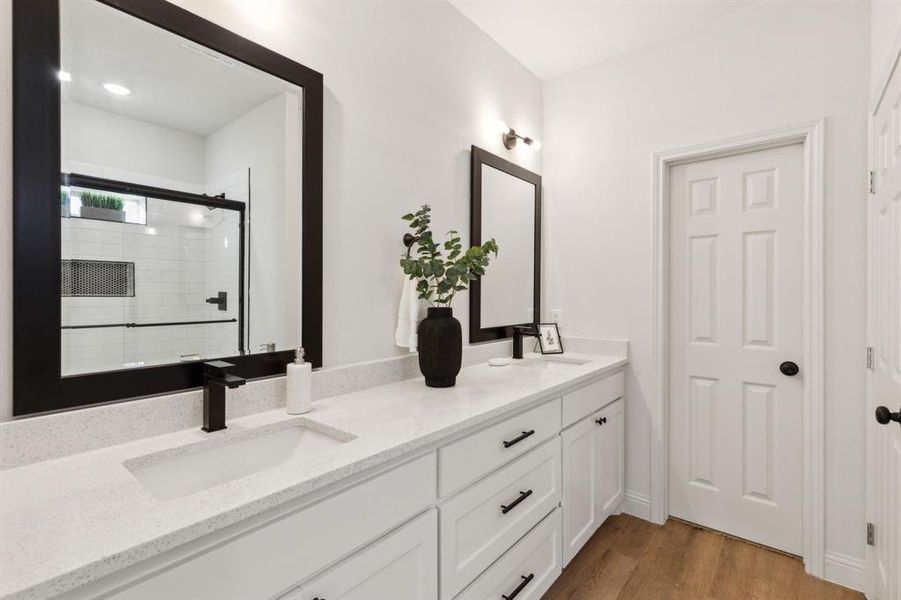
789	368
884	416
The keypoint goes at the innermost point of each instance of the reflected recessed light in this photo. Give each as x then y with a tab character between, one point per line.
115	88
64	76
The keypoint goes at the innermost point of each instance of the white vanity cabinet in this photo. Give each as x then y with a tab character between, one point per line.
265	560
482	522
492	513
593	474
527	570
403	565
613	452
581	449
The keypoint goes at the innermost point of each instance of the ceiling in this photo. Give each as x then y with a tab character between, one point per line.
174	82
553	37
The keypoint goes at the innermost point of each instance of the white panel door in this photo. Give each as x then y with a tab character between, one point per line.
884	431
735	317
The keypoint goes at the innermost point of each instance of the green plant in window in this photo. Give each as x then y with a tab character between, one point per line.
438	277
101	200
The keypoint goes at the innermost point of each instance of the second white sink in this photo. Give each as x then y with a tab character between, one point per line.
550	361
184	471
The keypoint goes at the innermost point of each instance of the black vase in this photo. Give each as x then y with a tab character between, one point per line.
440	347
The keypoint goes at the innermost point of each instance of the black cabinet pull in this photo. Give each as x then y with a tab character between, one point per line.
505	508
601	421
525	581
519	438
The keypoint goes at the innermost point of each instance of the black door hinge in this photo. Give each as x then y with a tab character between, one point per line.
871	182
871	535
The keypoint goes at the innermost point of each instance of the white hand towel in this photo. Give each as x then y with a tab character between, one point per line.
409	313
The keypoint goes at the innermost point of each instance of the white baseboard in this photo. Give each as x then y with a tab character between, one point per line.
637	505
845	570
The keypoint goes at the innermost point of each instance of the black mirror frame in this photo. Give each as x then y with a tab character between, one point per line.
38	384
480	157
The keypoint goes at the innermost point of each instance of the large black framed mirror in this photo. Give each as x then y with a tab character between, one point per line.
167	180
506	206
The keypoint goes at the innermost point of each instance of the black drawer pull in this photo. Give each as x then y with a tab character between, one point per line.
519	438
525	581
508	507
601	421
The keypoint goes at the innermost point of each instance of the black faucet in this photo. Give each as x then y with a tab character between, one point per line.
216	379
518	332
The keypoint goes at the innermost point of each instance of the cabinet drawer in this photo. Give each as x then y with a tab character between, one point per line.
467	459
270	559
400	566
533	563
586	400
484	521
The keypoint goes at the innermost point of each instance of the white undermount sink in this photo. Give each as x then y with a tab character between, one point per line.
189	469
550	361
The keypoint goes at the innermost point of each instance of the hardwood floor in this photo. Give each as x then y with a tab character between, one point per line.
629	559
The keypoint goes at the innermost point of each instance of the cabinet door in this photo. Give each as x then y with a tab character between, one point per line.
401	566
581	484
612	453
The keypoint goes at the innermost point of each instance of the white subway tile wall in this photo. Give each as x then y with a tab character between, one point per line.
181	258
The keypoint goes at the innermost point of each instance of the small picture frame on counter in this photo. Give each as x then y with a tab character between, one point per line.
549	338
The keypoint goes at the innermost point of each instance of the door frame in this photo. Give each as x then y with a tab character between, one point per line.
811	136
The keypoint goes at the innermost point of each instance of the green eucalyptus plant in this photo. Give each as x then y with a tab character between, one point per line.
438	277
99	200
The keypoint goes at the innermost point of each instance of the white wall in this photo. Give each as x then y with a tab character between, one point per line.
885	35
259	140
769	66
409	86
91	136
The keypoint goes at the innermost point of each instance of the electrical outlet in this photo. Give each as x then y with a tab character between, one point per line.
556	316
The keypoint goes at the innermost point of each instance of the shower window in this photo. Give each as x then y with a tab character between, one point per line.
124	208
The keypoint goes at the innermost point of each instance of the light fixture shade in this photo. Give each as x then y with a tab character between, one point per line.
116	89
536	145
503	127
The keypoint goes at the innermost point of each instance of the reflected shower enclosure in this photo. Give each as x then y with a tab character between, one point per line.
180	198
149	276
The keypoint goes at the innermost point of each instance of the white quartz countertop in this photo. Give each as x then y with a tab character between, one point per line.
72	520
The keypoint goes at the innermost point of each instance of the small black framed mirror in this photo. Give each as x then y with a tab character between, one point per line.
506	206
167	180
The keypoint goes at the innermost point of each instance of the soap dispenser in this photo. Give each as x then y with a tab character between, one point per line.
300	380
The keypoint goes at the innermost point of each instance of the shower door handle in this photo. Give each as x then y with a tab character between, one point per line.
220	299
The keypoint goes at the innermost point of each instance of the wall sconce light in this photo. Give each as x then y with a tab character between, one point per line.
511	137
